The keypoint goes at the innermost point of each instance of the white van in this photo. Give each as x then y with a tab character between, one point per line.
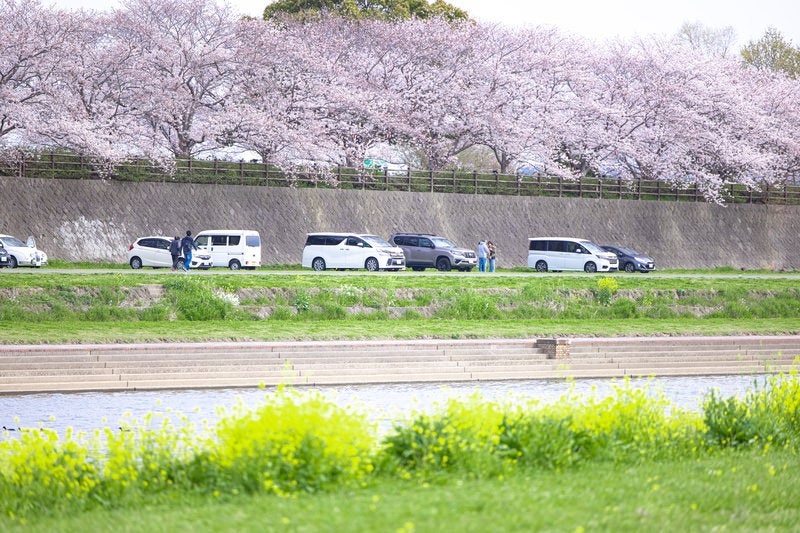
232	248
351	250
565	253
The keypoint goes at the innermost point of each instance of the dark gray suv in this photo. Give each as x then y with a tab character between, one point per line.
430	251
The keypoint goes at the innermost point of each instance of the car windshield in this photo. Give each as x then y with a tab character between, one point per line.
13	241
627	251
594	248
374	241
441	242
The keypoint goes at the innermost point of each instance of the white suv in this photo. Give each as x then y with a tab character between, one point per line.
351	250
22	254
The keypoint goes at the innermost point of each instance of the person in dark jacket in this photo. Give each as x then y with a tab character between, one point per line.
187	245
175	252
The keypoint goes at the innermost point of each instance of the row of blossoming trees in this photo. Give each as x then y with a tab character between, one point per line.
165	79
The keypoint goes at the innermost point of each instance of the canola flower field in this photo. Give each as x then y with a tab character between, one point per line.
299	442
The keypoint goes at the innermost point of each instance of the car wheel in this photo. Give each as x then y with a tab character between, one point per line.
318	264
443	264
234	265
590	267
541	266
630	268
417	269
12	262
136	263
372	264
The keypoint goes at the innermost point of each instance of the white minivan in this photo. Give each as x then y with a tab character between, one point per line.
565	253
231	248
351	250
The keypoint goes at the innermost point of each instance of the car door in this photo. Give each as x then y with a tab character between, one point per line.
334	252
557	255
574	256
426	252
155	252
411	250
219	250
354	252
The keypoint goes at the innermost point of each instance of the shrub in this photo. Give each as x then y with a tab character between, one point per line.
292	442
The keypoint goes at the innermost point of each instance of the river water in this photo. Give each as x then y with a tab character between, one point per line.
86	411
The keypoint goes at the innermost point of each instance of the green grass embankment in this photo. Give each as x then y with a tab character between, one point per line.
41	307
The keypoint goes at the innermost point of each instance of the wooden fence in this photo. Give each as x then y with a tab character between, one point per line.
67	166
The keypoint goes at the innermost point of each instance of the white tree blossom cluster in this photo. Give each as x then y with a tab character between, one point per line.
176	78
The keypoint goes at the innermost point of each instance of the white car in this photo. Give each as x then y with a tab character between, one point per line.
21	253
351	250
154	252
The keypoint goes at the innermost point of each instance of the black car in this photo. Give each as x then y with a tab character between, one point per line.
631	260
5	257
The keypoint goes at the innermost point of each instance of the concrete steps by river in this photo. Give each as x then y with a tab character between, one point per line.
29	369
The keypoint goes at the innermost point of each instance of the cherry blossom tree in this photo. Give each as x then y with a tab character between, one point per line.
172	79
184	66
33	41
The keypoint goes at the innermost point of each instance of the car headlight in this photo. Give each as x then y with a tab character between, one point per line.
642	259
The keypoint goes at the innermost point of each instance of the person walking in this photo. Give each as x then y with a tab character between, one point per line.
175	252
483	252
492	255
187	245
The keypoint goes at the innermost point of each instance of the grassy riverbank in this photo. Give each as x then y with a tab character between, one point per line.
298	462
739	491
42	307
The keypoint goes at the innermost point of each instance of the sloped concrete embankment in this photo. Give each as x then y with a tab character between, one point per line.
27	369
92	220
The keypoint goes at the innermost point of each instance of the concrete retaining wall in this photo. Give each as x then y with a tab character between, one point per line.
97	220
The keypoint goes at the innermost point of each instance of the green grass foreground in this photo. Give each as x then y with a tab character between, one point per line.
631	461
738	491
47	307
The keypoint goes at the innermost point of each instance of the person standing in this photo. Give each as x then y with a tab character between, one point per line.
492	255
483	252
175	252
187	245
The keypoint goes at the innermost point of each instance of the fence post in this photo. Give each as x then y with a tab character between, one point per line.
474	182
430	173
266	173
241	172
580	186
560	186
408	177
386	179
640	189
454	181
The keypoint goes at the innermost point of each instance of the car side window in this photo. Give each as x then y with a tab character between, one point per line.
355	241
219	240
147	243
202	240
425	243
162	243
412	241
233	240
